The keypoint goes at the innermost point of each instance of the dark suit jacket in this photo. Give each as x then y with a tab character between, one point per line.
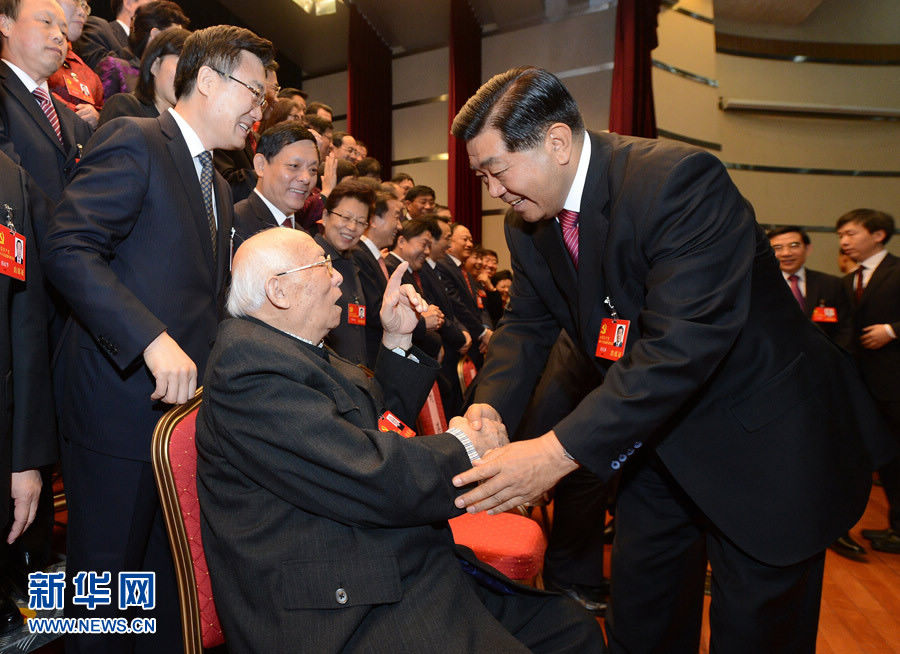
236	166
102	38
28	139
826	290
126	104
373	284
754	412
251	215
323	533
347	340
879	304
27	417
427	340
129	248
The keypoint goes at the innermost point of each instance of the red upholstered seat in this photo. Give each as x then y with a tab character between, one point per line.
174	456
513	544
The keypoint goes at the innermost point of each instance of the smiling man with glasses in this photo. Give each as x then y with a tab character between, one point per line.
142	262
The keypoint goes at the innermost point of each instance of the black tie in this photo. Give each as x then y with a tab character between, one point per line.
206	177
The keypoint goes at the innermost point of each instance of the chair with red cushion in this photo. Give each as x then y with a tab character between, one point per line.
174	457
511	543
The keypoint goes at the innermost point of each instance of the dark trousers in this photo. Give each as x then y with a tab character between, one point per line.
116	524
890	473
658	569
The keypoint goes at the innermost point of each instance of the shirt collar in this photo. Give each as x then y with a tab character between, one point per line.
573	201
397	257
29	83
276	212
195	145
125	27
801	274
454	260
875	260
369	244
431	262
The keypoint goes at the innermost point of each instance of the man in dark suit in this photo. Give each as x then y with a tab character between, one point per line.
45	138
139	248
740	430
27	425
287	165
371	267
875	291
461	288
413	245
324	532
107	38
823	299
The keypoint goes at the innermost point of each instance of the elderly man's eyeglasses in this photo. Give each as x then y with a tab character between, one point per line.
350	220
259	96
326	261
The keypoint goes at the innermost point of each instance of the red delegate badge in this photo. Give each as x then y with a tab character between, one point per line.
824	314
356	314
12	253
389	422
78	89
612	338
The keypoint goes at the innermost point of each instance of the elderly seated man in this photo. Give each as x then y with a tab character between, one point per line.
323	532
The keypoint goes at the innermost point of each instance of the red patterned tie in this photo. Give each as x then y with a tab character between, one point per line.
47	107
859	283
795	289
568	220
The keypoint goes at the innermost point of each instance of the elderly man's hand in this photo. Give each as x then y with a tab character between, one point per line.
25	490
491	434
515	474
400	309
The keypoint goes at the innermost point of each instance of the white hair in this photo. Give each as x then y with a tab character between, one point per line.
263	255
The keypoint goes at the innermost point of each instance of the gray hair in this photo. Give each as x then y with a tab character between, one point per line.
263	255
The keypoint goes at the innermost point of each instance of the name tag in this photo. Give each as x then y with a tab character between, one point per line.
12	254
612	339
78	89
389	422
824	314
356	314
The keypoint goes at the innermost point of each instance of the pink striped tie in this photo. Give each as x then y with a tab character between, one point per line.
568	220
47	107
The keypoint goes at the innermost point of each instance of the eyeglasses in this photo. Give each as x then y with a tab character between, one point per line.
790	246
350	219
258	96
326	261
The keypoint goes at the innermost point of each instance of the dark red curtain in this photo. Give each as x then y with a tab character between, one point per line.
369	89
631	106
463	188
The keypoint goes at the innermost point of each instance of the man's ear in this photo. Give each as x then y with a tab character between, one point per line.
206	80
558	142
259	164
275	293
883	235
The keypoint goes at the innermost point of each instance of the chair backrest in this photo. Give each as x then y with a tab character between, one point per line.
174	457
466	370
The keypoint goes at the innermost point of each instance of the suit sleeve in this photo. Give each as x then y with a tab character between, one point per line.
34	422
303	444
90	221
698	238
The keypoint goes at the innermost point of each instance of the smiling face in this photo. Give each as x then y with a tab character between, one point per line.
383	229
419	206
231	107
533	182
345	223
790	250
287	178
36	40
415	249
461	243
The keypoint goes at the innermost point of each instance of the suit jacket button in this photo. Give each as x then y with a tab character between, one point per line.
629	451
623	458
615	465
341	596
637	444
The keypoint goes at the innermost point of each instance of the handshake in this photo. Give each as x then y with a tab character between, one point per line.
489	434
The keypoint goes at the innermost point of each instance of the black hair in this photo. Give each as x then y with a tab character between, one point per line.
787	229
276	138
872	219
167	42
521	104
351	188
159	14
416	191
412	228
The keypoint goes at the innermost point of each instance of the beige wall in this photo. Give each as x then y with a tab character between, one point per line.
690	109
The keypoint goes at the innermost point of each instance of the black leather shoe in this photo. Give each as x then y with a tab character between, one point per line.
592	598
10	617
875	534
846	546
889	544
